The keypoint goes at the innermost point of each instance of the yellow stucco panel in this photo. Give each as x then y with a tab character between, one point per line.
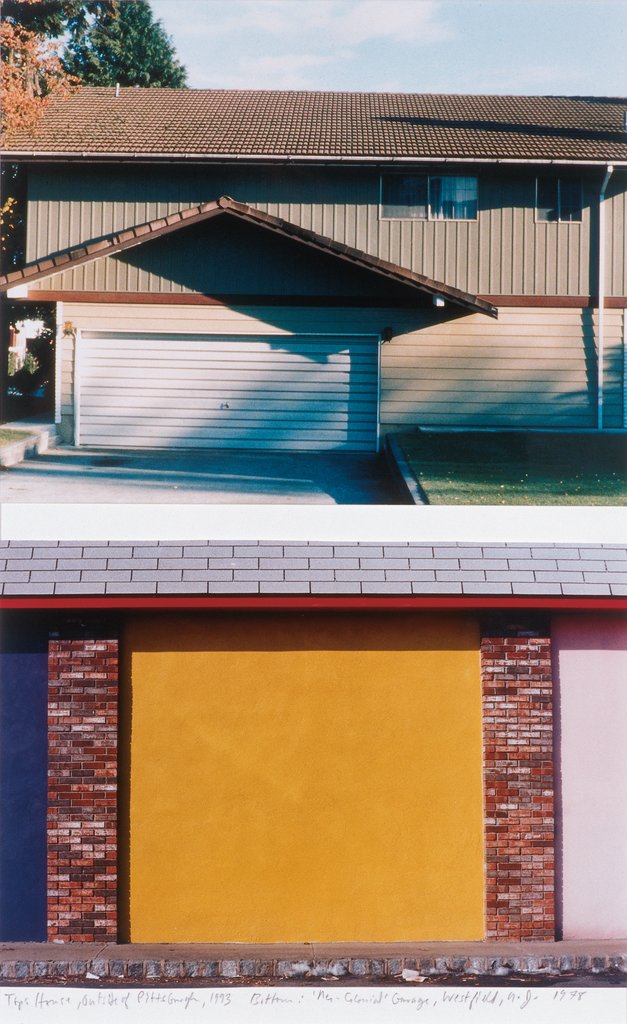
302	777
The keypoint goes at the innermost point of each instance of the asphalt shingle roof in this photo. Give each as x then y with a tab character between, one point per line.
218	122
29	569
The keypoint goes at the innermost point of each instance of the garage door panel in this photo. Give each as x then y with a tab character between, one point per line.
165	405
299	393
315	374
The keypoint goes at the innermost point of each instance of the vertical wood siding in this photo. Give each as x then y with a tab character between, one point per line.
504	252
531	368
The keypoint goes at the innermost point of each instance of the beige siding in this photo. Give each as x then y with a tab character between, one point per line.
504	252
533	368
616	221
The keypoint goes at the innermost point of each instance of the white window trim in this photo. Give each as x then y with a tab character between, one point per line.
559	220
428	219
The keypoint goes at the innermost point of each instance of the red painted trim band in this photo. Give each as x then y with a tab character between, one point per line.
309	602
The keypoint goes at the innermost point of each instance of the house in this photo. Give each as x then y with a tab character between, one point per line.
293	270
373	743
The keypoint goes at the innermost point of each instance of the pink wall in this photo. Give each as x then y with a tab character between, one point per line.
591	705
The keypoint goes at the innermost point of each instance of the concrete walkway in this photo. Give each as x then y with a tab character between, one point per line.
233	477
585	963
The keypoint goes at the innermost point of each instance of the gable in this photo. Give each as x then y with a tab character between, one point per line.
184	219
226	257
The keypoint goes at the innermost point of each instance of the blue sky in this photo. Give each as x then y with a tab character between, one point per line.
574	47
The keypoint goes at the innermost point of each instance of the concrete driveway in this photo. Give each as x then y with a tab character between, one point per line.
234	477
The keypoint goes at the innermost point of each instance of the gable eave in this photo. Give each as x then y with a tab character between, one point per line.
120	241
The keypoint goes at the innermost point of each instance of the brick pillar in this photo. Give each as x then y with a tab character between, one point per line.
518	783
82	788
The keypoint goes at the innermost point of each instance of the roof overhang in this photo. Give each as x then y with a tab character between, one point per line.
51	156
117	242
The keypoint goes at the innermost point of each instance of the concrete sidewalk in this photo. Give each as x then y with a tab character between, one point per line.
486	963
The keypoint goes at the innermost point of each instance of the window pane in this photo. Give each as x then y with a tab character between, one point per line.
547	200
570	199
404	195
453	198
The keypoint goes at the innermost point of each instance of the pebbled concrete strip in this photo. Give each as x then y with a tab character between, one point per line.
365	964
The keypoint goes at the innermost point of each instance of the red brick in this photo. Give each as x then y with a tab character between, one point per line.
82	789
518	786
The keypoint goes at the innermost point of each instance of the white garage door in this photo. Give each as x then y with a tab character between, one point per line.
298	393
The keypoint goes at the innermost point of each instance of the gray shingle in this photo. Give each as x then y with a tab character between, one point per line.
132	563
79	588
334	563
369	569
131	588
182	588
182	563
236	587
16	590
424	587
208	575
309	575
468	575
485	564
548	564
335	588
283	587
253	575
26	564
457	551
227	563
536	588
117	551
157	575
597	589
510	576
475	587
283	563
204	550
386	588
505	551
55	576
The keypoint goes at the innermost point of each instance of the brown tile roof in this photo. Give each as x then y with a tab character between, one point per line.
205	123
120	240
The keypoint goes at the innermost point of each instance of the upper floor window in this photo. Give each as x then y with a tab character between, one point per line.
558	199
428	197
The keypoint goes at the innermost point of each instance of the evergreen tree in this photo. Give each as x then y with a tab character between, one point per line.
125	45
52	18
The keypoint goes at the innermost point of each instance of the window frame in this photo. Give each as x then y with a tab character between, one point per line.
428	219
558	178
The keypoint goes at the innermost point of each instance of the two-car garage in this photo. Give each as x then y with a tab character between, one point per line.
306	392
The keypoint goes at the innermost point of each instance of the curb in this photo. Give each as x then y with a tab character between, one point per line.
402	472
35	443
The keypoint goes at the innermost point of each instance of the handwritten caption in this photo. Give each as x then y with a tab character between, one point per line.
206	1006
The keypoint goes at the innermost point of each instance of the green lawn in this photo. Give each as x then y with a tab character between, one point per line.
9	436
518	468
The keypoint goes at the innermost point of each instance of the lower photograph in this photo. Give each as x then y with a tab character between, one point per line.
312	764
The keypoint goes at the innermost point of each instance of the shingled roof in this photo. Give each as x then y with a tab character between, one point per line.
205	123
30	569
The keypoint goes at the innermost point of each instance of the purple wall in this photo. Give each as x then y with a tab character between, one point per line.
23	779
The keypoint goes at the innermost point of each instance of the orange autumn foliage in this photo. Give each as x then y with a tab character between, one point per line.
30	73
